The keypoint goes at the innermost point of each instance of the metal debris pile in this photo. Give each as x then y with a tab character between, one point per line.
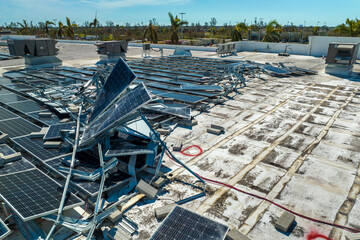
91	135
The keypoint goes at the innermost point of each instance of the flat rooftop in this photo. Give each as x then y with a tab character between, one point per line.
292	140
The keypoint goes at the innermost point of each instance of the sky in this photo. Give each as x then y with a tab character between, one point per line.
298	12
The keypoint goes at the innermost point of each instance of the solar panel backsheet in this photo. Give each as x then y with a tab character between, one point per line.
133	100
32	194
118	80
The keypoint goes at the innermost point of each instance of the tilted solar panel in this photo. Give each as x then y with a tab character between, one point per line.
54	131
119	79
133	100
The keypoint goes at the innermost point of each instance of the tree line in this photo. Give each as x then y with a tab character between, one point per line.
153	32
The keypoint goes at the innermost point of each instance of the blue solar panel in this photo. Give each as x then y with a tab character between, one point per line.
177	111
118	80
201	87
133	100
32	194
18	127
186	225
54	131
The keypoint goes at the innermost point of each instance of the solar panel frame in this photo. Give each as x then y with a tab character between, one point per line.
17	127
129	103
186	225
113	88
39	194
4	230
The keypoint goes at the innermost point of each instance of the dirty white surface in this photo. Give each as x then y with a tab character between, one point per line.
317	189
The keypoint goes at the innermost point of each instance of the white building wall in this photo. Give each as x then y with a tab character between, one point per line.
319	44
293	48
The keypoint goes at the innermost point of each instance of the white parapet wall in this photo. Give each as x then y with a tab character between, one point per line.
16	37
292	48
319	44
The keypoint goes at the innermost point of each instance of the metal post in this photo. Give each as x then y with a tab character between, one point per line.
182	34
62	203
101	188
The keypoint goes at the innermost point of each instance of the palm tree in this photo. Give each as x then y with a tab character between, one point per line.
175	24
350	28
272	31
47	24
315	31
151	32
238	31
60	31
24	27
94	24
70	28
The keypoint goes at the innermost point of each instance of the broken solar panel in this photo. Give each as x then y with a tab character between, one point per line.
127	149
54	131
119	79
201	87
133	100
32	194
4	229
176	111
182	224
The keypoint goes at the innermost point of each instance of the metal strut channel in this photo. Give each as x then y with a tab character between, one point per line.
61	207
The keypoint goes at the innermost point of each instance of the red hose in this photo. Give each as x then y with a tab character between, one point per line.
183	152
262	198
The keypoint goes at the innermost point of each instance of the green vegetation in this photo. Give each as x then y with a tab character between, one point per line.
194	33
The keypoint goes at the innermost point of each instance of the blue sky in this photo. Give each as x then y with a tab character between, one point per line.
227	11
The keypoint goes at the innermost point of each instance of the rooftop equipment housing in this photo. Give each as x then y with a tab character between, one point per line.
341	58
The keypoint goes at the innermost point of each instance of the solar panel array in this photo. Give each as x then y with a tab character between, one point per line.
18	127
4	230
133	100
6	114
202	87
54	131
118	80
182	224
39	195
35	148
27	106
177	111
16	166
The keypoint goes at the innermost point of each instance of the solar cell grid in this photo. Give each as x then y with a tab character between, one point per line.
6	114
18	127
27	106
182	224
118	80
35	148
32	194
6	150
133	100
177	111
54	131
17	166
8	98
